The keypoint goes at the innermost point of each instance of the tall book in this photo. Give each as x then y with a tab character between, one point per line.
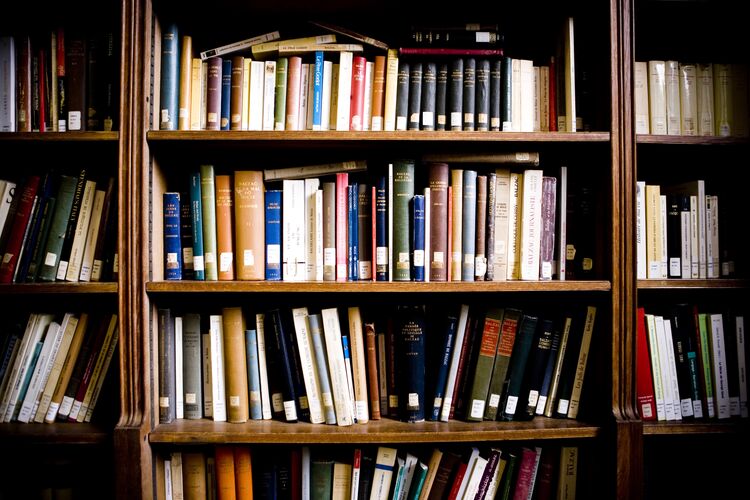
167	396
249	216
208	206
235	364
170	80
411	335
172	239
517	369
583	355
485	362
403	192
225	227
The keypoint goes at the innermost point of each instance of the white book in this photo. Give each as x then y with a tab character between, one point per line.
315	322
308	364
705	93
472	486
247	66
92	235
672	80
369	79
526	98
515	211
531	224
304	96
218	393
51	344
6	197
663	236
671	408
359	371
739	322
319	255
723	102
473	456
175	466
640	91
383	473
515	85
450	382
719	365
168	480
68	327
208	404
656	375
312	186
325	116
257	94
657	97
7	84
571	122
305	473
713	252
293	230
410	465
336	367
73	269
640	229
344	92
269	94
178	367
265	395
688	100
683	403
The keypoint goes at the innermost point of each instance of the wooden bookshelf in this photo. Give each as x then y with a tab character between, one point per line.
677	284
58	288
55	434
59	137
696	427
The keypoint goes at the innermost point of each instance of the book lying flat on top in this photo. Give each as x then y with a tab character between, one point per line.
352	34
307	171
448	51
240	45
521	158
287	50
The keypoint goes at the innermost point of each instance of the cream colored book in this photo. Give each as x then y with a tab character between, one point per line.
515	211
289	50
344	92
92	235
218	388
653	231
640	96
68	327
383	473
570	75
268	49
583	355
531	224
103	361
186	81
256	90
705	87
73	271
308	364
51	344
247	65
67	370
657	97
502	200
640	230
196	92
688	100
391	86
359	371
723	102
457	189
527	95
672	80
568	473
336	367
342	481
269	93
325	111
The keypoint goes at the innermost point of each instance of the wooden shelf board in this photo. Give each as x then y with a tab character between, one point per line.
714	427
58	288
376	286
375	431
348	136
701	283
683	139
60	136
53	434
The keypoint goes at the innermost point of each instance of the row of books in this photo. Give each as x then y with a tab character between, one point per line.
53	369
677	232
691	364
312	83
470	223
58	227
682	98
373	473
340	366
61	81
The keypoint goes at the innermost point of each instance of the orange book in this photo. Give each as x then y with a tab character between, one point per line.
243	473
224	227
249	224
293	88
372	370
378	94
235	364
225	489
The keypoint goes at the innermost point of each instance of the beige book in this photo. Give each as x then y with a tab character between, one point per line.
245	113
527	95
705	92
268	49
531	224
583	355
308	363
314	271
256	90
196	91
457	183
235	364
68	326
175	469
723	102
269	93
186	80
502	200
653	231
204	96
672	80
432	469
38	379
288	50
249	217
67	369
568	473
82	228
570	75
640	95
544	98
336	367
657	97
99	371
391	86
516	92
93	234
359	362
342	481
688	100
515	213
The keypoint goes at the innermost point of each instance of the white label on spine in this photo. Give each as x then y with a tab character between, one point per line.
477	408
248	258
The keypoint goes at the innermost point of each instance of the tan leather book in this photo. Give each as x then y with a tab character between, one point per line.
243	473
372	370
378	94
194	476
249	217
225	227
186	80
225	489
235	364
235	95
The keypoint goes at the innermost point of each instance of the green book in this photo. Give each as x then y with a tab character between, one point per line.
321	478
41	242
279	114
509	478
706	362
493	320
208	207
504	350
50	259
403	192
417	481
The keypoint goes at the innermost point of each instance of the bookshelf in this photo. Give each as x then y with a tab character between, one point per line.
669	159
66	457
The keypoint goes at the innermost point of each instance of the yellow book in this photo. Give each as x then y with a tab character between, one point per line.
391	82
263	50
196	84
186	80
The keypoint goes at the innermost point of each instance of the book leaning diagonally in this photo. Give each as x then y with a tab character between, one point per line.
303	172
351	34
240	45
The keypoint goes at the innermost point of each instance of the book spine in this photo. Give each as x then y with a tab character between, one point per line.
482	94
170	82
415	96
441	96
428	96
364	228
358	83
172	240
484	364
480	257
506	93
519	358
403	192
208	206
196	212
418	240
273	234
342	235
372	370
381	230
468	225
390	103
378	93
402	95
167	396
455	98
495	92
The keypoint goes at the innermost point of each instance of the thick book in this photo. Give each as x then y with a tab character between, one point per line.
249	216
442	365
191	366
167	395
224	227
21	220
316	170
517	369
336	367
454	97
308	364
469	93
403	192
482	95
172	240
485	362
273	234
381	479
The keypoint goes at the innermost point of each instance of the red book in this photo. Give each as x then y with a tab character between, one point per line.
643	380
293	89
357	104
457	480
552	95
213	94
461	366
342	182
527	469
448	51
295	466
18	229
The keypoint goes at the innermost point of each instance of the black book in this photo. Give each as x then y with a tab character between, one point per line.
429	88
415	95
549	371
506	95
109	82
70	231
93	84
674	236
536	369
470	78
680	322
517	369
569	365
366	472
278	382
303	408
167	387
441	89
496	73
448	37
402	95
411	340
455	97
277	337
482	106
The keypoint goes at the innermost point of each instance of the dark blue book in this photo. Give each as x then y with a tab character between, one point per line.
172	240
381	229
517	369
411	334
468	225
186	235
415	96
273	235
290	338
455	96
496	123
470	79
196	215
40	215
170	77
353	231
402	95
266	478
441	90
226	92
536	368
278	337
482	95
451	324
418	257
